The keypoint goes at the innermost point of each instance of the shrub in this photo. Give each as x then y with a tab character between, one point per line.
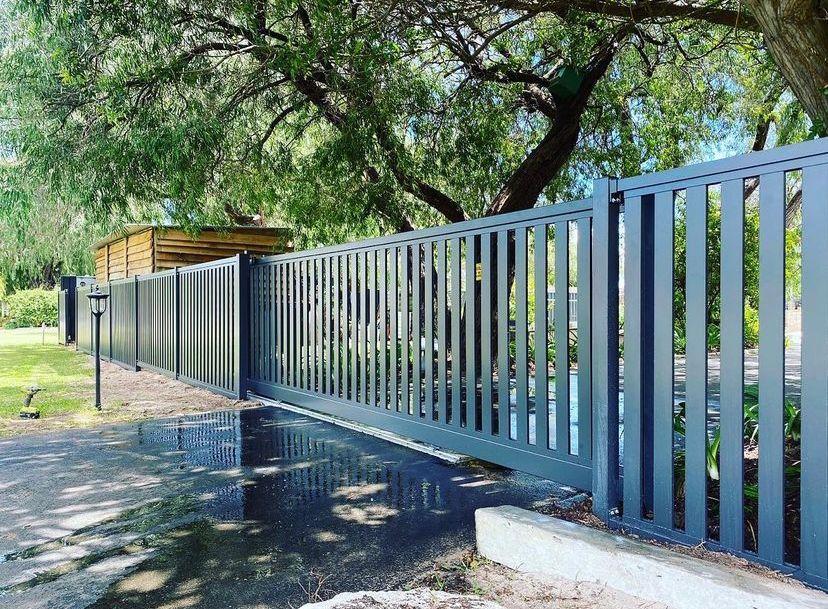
31	308
751	327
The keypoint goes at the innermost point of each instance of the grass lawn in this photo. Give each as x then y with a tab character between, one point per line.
63	375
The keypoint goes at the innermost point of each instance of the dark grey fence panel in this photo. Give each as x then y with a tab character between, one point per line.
191	324
83	320
157	334
690	469
123	301
209	337
402	333
208	334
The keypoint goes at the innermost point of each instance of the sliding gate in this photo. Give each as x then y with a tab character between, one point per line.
454	336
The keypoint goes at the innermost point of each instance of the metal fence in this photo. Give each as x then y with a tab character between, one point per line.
186	323
83	320
158	322
411	333
450	335
212	324
689	469
122	330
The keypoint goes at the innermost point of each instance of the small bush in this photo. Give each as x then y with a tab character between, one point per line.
751	327
31	308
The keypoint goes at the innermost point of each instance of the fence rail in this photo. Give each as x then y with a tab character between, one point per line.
451	335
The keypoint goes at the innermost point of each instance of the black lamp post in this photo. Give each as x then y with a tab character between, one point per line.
97	304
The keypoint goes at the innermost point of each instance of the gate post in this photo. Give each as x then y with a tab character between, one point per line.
605	473
241	325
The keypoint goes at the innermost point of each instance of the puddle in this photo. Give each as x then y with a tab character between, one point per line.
315	507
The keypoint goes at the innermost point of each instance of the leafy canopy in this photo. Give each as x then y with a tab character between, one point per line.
345	119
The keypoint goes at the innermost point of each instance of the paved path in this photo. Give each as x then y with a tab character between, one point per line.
239	508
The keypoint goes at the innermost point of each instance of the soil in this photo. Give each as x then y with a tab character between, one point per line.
128	396
468	573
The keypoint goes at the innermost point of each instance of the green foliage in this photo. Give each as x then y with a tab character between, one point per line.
328	119
792	429
792	417
40	238
793	238
31	308
712	445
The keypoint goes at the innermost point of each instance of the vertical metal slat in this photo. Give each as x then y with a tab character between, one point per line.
633	355
663	358
561	320
696	413
731	498
814	484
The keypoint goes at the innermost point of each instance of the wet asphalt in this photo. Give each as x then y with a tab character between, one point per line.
267	508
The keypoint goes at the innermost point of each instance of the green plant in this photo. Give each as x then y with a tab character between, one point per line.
751	327
792	417
712	444
573	348
31	308
792	428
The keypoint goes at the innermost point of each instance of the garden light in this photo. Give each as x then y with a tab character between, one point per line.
97	304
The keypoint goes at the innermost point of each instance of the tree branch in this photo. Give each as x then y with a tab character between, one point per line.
643	10
525	185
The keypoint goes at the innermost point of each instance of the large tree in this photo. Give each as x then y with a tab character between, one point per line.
40	238
364	117
795	32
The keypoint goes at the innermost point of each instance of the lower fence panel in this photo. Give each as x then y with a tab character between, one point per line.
725	424
208	340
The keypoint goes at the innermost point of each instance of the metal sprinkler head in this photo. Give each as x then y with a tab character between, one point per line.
28	411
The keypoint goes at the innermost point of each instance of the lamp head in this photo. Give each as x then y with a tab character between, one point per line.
97	301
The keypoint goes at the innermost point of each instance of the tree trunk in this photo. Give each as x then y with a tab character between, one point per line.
796	32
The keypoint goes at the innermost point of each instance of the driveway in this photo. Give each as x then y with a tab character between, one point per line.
253	508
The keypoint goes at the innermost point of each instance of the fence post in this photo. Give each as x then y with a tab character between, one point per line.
111	312
605	480
135	320
177	322
241	324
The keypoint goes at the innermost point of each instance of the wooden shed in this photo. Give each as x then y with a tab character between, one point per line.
145	248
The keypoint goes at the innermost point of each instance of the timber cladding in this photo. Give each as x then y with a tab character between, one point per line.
144	249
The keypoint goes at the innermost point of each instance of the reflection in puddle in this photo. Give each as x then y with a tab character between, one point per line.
313	500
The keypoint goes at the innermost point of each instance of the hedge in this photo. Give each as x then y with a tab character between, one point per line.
31	308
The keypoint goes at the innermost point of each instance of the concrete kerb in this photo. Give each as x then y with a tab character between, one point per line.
534	543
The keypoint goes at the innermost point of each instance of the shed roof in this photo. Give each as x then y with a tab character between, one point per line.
131	229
